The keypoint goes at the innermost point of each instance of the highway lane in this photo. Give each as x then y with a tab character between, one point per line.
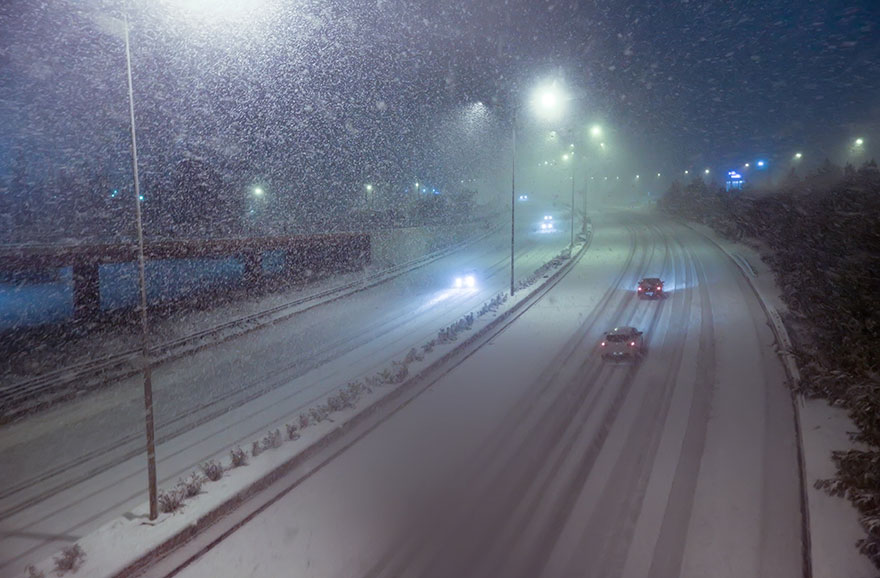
534	458
68	470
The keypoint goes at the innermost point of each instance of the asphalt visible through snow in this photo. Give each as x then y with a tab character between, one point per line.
532	457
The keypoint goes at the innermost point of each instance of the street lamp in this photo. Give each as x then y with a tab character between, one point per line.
859	142
567	157
367	190
142	286
706	171
798	156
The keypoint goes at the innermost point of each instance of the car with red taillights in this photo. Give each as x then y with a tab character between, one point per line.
622	343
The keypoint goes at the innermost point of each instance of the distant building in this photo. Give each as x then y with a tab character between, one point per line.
734	181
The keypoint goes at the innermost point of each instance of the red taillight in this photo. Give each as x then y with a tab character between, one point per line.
632	343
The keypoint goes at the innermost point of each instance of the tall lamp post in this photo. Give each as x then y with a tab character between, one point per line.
145	328
513	199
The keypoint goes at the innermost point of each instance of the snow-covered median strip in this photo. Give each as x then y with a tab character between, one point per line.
197	500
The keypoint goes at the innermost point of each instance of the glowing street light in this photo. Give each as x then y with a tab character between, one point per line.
258	192
798	156
658	175
760	164
548	100
747	165
706	171
687	172
595	131
859	142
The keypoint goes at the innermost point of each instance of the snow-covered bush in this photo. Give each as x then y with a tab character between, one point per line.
399	372
303	421
170	500
256	448
292	434
70	559
319	413
335	403
272	440
238	457
412	356
31	572
191	486
213	470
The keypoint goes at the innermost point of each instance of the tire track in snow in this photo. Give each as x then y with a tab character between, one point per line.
546	428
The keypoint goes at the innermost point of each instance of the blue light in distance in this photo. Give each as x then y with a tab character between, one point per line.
761	164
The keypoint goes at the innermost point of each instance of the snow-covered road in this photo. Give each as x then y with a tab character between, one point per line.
533	458
66	471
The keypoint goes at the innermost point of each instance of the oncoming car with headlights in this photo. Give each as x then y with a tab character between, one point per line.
465	280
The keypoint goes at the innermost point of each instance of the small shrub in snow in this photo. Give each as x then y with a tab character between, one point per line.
31	571
256	448
212	470
272	440
335	403
70	559
303	421
412	356
170	500
356	388
429	346
238	457
374	380
191	486
399	372
291	432
319	413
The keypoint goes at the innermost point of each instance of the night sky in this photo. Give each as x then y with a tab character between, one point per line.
343	91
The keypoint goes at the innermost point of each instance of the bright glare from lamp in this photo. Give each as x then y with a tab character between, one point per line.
859	142
258	191
369	187
596	130
798	156
706	171
548	101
